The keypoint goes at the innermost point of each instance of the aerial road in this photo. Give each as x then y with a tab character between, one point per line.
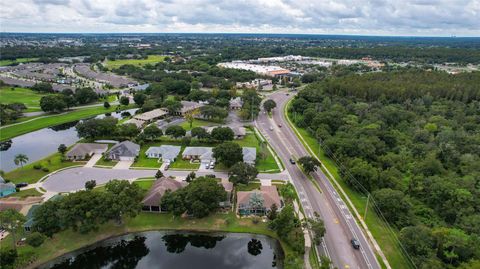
340	225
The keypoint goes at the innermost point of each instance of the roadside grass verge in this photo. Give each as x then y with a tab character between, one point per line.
151	59
378	227
69	240
29	174
10	131
197	123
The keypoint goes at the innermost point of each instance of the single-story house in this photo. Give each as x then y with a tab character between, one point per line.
167	153
124	151
82	151
137	123
236	103
258	202
151	201
151	115
239	132
249	155
228	186
6	188
27	226
187	106
204	154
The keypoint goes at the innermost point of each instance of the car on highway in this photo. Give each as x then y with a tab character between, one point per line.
355	243
280	125
292	161
271	128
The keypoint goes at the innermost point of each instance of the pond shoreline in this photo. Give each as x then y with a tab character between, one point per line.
280	256
174	225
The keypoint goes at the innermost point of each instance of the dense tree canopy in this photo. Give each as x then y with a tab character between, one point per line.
412	139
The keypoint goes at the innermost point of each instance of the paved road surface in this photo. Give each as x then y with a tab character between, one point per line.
73	179
340	225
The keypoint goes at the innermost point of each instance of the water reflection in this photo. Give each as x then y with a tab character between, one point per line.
124	254
179	251
44	142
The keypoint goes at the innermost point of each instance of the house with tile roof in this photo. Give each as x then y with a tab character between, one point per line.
151	201
258	202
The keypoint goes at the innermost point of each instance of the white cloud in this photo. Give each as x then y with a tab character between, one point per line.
408	17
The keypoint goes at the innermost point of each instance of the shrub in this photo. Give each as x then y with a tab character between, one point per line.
37	166
35	239
45	169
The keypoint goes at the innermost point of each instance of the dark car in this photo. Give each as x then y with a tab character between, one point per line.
355	243
292	161
21	185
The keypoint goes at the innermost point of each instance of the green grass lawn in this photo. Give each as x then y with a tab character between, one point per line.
69	240
197	123
381	233
152	59
18	60
248	187
31	175
181	164
26	193
103	162
30	98
144	161
54	119
265	164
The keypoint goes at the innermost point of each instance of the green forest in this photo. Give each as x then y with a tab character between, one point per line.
412	140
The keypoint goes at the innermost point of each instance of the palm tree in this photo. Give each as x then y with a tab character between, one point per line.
20	159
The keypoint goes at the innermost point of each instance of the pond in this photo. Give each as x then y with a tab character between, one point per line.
157	249
42	143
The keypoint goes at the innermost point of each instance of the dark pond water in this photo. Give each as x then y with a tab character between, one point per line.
42	143
176	251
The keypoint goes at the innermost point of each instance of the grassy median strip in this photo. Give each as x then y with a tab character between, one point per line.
379	230
11	131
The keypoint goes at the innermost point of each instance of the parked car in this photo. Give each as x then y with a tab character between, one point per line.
21	185
280	125
355	243
271	128
287	94
212	164
167	166
207	166
292	161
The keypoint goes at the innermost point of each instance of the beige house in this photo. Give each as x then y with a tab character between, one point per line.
81	151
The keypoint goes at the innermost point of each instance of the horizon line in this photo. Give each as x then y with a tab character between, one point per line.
246	33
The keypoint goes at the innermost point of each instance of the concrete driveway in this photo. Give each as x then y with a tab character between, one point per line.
93	160
123	165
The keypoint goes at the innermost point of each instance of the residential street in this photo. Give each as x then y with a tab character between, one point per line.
70	180
340	224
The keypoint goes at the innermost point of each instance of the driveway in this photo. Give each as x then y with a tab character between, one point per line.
74	179
93	160
123	165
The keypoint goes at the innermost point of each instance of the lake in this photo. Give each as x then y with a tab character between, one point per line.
173	250
42	143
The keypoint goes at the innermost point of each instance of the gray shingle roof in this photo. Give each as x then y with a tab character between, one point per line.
82	149
249	154
167	152
125	148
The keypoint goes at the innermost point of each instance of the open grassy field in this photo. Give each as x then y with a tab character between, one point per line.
10	131
70	240
380	232
152	59
30	98
31	175
18	60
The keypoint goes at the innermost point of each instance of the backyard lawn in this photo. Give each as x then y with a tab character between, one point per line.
8	132
30	98
31	175
152	59
265	164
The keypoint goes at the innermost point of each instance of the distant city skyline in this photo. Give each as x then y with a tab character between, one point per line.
343	17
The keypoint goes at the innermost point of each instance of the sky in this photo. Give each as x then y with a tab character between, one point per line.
358	17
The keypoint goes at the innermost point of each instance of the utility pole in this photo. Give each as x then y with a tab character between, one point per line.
366	207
